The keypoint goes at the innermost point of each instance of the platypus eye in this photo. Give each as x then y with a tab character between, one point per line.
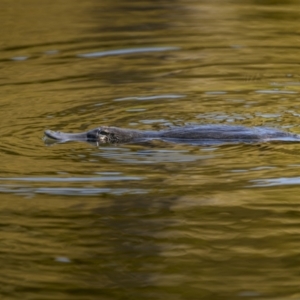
94	134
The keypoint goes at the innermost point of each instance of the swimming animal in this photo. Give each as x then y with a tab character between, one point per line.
196	134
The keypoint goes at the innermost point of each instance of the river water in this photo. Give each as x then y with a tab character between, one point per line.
157	220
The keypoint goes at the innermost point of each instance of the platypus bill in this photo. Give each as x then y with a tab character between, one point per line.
198	134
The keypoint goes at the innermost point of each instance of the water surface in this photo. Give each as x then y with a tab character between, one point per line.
158	220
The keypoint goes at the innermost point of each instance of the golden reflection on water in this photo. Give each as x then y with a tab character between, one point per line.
153	220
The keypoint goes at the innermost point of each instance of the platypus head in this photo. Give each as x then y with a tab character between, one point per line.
101	135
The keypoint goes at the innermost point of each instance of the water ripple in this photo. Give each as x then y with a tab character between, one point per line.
155	97
73	179
277	181
126	51
68	191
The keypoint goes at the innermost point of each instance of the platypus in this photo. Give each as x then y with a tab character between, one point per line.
196	134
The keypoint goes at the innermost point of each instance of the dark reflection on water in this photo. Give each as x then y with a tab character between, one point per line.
154	220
